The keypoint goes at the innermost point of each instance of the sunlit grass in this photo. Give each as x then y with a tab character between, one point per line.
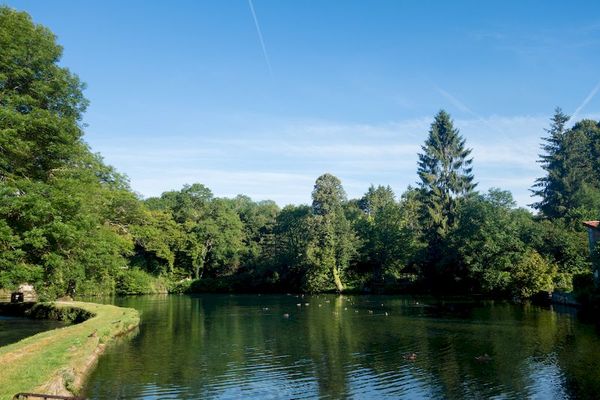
54	360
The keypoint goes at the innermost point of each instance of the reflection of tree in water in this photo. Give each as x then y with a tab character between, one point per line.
204	346
579	357
329	348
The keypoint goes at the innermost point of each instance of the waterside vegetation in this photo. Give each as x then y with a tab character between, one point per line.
57	361
71	225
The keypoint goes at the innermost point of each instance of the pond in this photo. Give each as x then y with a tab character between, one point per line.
13	329
283	346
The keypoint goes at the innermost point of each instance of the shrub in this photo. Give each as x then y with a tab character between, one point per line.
136	281
532	274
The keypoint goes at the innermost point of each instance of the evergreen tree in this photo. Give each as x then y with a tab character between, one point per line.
446	176
550	187
570	159
580	165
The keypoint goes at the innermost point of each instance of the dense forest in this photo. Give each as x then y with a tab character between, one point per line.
71	225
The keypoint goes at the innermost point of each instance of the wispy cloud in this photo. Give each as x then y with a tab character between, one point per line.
543	43
260	36
309	150
280	159
282	187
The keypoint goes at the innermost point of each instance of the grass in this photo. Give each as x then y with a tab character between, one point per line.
57	361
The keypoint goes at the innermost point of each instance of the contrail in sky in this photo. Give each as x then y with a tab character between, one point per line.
586	101
457	103
464	108
260	36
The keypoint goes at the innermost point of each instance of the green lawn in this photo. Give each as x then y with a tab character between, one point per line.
52	362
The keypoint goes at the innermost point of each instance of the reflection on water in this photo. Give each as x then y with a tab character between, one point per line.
226	346
14	329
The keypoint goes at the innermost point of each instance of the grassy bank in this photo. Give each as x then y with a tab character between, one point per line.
57	361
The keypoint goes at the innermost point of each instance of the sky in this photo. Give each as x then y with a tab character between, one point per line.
261	97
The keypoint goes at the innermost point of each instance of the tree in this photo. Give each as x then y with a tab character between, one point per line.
549	188
212	231
445	172
489	240
532	274
334	240
258	219
292	239
570	159
221	235
561	244
375	199
62	210
446	178
388	241
41	103
157	239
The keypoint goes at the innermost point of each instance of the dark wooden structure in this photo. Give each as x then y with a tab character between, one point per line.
38	396
17	297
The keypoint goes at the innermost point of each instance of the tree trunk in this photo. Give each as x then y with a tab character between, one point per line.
336	279
199	269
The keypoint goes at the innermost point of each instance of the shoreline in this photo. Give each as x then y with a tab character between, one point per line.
58	361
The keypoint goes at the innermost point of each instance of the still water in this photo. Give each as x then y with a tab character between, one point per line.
14	329
362	347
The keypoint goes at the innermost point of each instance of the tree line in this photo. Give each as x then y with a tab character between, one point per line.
71	224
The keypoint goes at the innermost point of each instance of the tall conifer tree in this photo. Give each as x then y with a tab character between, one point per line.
446	173
550	187
570	160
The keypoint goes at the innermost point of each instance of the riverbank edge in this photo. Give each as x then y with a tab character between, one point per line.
58	361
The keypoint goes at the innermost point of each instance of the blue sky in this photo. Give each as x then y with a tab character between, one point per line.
184	91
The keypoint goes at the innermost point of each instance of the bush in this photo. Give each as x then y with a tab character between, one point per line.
136	281
563	282
105	287
182	286
532	274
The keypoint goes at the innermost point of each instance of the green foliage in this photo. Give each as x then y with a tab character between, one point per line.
209	232
446	178
137	281
386	227
292	239
499	251
446	175
258	220
488	240
70	224
333	239
532	274
562	243
570	160
156	238
59	216
40	102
